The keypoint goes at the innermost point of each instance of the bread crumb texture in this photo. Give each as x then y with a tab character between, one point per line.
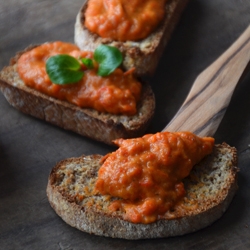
101	126
75	180
210	188
144	54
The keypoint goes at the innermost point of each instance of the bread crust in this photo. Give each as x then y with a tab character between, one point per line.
144	55
100	126
91	215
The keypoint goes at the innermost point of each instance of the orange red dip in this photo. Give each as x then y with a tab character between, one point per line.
117	93
124	20
147	173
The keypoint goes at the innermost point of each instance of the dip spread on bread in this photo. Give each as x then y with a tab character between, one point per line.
117	93
124	20
147	173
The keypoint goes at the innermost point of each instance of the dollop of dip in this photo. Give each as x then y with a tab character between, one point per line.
146	173
124	20
117	93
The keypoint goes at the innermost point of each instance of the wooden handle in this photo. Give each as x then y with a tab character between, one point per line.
209	97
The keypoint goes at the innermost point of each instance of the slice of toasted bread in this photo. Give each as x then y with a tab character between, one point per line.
144	55
210	188
104	127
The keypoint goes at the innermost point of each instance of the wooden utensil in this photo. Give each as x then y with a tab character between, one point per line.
210	95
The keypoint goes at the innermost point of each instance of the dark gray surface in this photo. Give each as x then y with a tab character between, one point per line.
29	148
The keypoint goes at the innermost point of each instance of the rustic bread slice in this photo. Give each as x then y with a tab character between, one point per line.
104	127
210	188
144	55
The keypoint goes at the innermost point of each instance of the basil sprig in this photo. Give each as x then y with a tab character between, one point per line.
65	69
109	58
88	63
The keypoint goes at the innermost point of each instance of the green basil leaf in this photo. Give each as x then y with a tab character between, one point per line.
64	69
108	57
88	63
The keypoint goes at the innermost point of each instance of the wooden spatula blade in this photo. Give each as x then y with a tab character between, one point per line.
210	95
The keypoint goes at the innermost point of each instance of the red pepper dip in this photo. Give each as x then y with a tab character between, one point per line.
117	93
147	173
124	20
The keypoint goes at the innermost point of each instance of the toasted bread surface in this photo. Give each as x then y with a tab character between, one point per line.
144	55
210	188
104	127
